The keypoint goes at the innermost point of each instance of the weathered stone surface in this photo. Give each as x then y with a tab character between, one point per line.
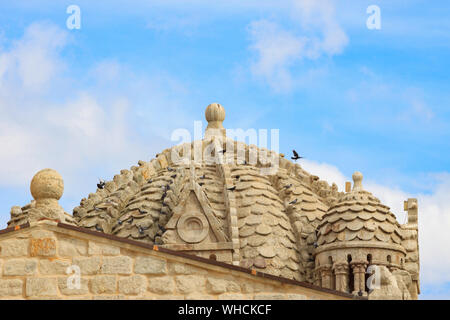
217	285
45	247
67	287
267	251
250	252
295	296
20	267
263	229
72	247
232	296
259	262
246	231
41	287
150	265
97	248
179	268
269	296
133	285
199	296
14	248
182	268
161	285
11	287
103	284
252	287
214	285
49	267
41	233
117	265
88	265
256	240
190	283
410	245
112	297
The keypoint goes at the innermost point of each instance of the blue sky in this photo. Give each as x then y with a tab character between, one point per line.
93	101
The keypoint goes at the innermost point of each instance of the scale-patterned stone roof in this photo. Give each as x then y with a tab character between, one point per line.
359	216
274	237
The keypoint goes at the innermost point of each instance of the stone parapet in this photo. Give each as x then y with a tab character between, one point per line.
50	261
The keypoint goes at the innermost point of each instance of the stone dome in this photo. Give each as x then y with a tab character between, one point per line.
358	231
228	209
359	216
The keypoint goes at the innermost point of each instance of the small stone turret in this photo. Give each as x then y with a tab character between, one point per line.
357	235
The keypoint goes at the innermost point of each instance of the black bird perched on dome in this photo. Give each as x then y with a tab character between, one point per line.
101	184
141	211
296	156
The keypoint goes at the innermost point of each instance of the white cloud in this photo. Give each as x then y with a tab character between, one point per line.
83	127
317	33
421	110
434	218
37	132
277	50
325	172
33	60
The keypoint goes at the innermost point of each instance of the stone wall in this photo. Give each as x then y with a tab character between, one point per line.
34	264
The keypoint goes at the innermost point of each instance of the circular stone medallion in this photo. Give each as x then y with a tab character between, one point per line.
192	228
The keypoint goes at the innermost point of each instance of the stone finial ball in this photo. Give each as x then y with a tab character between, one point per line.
357	176
47	184
215	112
357	181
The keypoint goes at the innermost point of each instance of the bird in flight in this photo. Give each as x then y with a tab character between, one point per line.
101	183
296	156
